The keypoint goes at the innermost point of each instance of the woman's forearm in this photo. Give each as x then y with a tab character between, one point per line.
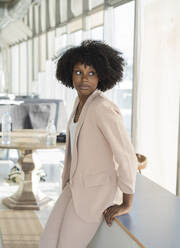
127	200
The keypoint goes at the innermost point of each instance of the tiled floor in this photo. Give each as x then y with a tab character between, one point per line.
52	186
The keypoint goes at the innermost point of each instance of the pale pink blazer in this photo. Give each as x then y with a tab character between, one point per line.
103	158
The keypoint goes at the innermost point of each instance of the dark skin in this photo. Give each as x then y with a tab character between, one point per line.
85	81
117	210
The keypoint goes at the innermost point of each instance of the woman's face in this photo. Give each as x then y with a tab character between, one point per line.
85	79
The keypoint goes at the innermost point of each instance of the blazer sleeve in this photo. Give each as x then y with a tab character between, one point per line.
110	123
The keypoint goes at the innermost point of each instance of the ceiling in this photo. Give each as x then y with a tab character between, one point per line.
6	1
12	28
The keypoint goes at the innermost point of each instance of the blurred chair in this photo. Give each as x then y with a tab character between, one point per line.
33	115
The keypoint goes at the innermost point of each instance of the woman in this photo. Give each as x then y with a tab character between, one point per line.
100	160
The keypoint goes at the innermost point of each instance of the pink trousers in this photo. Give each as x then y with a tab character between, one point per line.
64	228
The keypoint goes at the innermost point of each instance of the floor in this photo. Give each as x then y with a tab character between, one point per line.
51	187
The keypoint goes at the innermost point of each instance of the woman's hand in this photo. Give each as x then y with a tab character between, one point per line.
117	210
114	211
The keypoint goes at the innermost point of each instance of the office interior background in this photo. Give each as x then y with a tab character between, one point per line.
33	34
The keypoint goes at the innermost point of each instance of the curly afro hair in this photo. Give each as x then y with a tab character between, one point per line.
107	62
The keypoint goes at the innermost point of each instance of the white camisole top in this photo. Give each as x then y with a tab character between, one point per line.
72	133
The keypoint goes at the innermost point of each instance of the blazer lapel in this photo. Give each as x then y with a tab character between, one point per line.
78	127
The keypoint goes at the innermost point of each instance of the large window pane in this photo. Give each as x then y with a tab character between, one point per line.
123	40
15	69
158	87
23	68
97	33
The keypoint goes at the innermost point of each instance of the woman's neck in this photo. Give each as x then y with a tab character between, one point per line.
82	100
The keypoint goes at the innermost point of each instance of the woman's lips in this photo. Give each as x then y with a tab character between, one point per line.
84	87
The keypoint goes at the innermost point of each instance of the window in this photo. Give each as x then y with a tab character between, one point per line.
97	33
123	40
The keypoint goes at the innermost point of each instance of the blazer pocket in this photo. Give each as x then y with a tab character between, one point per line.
97	179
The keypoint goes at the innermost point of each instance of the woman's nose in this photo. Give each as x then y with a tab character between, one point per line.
84	77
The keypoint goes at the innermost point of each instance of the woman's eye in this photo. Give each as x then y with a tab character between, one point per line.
91	73
77	72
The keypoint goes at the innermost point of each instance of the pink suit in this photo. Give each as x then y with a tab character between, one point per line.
103	161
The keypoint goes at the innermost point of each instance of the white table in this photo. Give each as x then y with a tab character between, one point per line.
28	195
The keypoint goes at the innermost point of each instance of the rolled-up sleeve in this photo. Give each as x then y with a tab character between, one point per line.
110	123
